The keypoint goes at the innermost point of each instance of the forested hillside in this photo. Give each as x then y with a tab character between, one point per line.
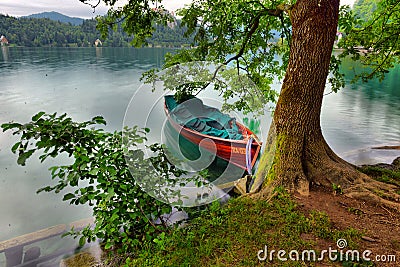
36	32
365	8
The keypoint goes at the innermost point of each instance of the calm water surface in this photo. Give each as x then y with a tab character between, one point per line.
86	82
364	115
81	82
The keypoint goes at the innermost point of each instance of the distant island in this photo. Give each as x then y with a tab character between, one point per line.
52	29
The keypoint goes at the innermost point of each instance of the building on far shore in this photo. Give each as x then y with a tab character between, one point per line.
3	40
339	36
98	43
171	24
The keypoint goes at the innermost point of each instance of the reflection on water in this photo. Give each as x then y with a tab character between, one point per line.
85	82
363	115
252	124
44	246
5	53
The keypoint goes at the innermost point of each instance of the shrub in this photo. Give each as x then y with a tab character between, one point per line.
102	175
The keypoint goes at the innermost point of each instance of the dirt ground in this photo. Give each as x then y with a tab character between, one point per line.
379	225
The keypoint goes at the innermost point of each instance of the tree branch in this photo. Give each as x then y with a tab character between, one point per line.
86	2
252	27
386	57
279	10
390	10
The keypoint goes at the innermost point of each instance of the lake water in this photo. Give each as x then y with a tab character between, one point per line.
86	82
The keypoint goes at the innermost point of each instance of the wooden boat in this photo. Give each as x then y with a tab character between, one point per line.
242	153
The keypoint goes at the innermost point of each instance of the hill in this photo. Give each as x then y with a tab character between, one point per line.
57	17
36	32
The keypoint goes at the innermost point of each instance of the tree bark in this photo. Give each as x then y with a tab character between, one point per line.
302	157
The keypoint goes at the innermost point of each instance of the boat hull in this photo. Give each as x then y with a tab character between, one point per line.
232	151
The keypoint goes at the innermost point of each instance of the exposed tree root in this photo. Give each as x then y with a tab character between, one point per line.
320	166
331	169
377	193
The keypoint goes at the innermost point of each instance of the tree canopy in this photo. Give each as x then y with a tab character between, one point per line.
377	33
245	33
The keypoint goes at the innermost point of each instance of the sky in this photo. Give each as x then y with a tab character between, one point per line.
74	8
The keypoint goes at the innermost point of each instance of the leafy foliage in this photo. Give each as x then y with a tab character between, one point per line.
364	9
34	32
187	80
374	39
100	175
241	34
255	36
381	174
137	18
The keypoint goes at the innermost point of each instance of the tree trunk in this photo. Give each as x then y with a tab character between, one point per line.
302	157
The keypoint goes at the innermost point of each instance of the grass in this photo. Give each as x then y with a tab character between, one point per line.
233	234
382	174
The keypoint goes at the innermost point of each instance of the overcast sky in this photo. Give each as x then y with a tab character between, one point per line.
74	8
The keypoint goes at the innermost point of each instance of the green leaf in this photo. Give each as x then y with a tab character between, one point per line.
108	245
15	147
114	217
68	196
112	171
82	241
37	116
83	199
8	126
94	171
24	156
123	187
99	120
65	234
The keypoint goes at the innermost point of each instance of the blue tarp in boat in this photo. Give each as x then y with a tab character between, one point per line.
207	120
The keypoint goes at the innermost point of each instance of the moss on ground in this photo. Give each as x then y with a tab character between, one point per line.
385	175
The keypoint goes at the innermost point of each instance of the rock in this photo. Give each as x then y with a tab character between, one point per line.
394	166
32	253
396	163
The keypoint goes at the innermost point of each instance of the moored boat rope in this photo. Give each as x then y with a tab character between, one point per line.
248	155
